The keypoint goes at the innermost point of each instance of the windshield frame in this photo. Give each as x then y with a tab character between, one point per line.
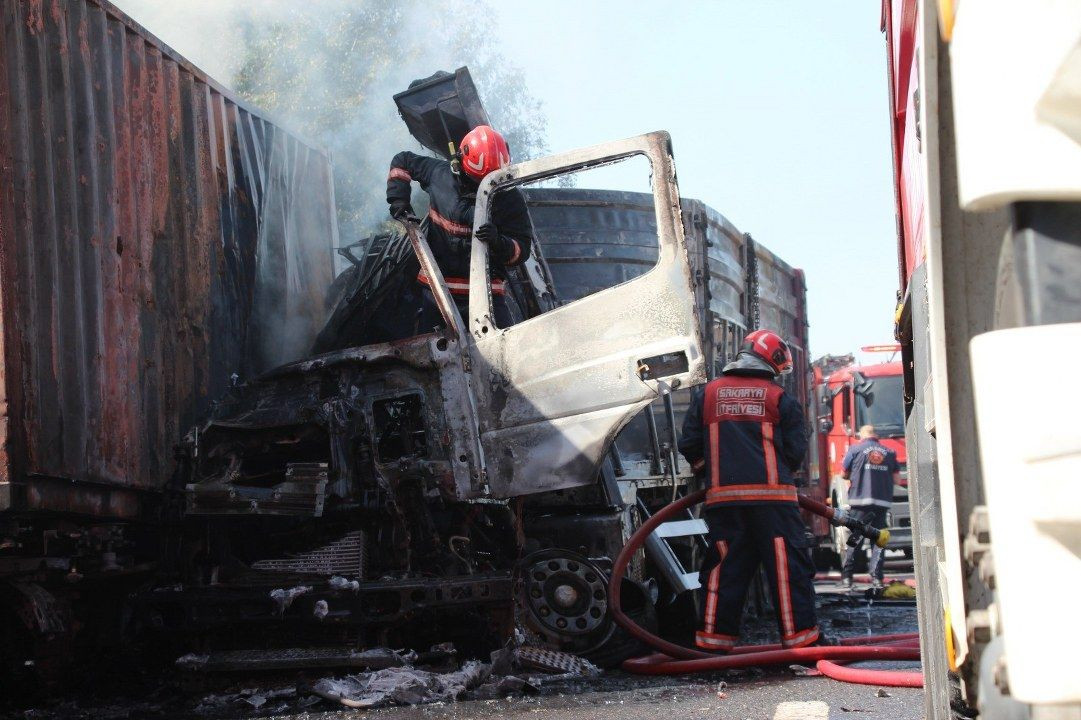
863	410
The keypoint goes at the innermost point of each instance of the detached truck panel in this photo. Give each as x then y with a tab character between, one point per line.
157	236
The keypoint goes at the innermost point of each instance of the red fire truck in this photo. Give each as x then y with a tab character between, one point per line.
985	115
849	395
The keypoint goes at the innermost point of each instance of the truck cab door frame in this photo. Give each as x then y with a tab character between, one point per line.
553	391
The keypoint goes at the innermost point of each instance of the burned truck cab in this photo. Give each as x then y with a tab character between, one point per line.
361	433
376	490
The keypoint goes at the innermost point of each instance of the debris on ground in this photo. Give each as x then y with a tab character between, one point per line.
803	671
339	583
473	680
551	661
244	690
257	698
321	609
405	686
284	598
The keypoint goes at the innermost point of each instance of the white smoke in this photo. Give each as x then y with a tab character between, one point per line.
328	70
207	32
275	53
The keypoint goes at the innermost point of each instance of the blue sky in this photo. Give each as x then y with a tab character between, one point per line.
778	116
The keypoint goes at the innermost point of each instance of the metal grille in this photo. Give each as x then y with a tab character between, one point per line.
553	661
342	557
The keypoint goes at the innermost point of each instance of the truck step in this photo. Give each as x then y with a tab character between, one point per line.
682	528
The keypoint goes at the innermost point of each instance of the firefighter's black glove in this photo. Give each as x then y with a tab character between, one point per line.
489	235
499	246
403	211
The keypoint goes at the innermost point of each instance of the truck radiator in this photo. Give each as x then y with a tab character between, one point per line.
345	557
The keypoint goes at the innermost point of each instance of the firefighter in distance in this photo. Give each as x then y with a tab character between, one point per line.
872	470
452	194
746	435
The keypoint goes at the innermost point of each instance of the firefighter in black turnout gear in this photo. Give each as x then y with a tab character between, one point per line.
747	436
452	196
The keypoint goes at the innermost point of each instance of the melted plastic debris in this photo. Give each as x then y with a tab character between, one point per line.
254	697
339	583
474	680
284	598
321	609
406	686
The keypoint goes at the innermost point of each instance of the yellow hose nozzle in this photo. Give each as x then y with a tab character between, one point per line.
883	538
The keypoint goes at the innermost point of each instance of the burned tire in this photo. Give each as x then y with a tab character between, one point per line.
562	599
620	645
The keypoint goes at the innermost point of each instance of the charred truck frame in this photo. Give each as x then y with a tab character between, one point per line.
414	455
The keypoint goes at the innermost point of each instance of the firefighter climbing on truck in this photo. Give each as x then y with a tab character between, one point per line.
746	435
452	193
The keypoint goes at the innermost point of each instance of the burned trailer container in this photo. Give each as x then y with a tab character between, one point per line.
158	239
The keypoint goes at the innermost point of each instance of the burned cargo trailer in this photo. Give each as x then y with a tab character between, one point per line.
158	236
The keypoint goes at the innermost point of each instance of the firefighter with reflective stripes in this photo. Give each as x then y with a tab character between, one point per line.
872	470
746	435
452	195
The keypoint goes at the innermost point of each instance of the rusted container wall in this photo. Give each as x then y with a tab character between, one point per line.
156	237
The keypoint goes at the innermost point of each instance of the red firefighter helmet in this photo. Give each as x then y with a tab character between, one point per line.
483	150
770	347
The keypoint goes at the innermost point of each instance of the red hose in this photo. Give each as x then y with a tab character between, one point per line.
663	665
813	506
619	569
675	659
865	676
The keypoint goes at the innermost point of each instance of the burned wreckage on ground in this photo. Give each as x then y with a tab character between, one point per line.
449	486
